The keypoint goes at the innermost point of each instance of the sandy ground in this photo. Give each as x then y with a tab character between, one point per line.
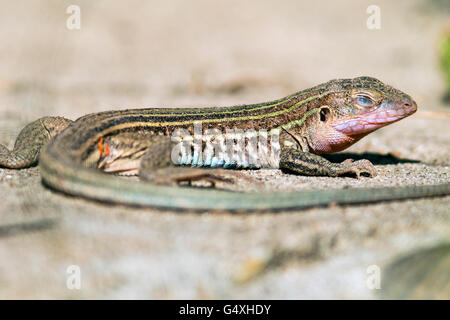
189	53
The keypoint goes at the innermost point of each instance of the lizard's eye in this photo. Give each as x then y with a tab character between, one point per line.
364	101
324	114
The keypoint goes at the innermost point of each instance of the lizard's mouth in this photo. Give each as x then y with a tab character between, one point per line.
387	113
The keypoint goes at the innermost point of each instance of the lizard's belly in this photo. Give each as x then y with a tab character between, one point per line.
240	154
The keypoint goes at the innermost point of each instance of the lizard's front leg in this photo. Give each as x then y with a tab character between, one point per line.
310	164
30	141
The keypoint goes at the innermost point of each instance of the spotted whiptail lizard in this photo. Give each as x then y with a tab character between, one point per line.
324	119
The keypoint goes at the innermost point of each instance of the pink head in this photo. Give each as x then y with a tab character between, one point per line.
353	109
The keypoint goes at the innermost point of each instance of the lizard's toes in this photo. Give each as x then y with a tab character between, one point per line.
364	167
348	161
356	168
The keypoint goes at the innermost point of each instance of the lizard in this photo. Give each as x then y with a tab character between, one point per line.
75	156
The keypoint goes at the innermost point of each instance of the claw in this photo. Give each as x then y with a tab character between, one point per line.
348	161
357	168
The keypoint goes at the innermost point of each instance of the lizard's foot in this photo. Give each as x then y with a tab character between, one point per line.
354	167
314	165
180	175
30	141
17	159
6	159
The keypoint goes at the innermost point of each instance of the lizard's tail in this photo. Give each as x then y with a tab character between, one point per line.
66	175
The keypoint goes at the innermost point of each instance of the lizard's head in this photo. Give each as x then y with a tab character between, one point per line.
355	108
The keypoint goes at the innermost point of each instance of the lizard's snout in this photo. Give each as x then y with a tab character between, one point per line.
410	105
406	106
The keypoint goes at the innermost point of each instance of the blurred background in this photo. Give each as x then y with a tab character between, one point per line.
141	53
160	53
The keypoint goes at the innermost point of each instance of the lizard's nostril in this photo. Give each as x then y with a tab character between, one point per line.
408	102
